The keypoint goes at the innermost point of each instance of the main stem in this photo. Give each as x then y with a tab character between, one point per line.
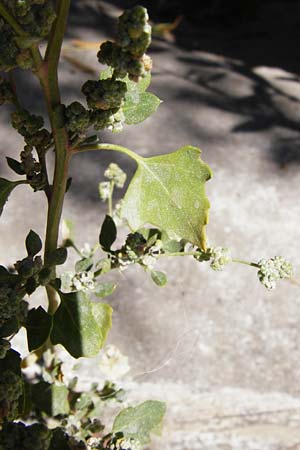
48	78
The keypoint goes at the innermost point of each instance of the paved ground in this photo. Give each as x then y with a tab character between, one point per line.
222	351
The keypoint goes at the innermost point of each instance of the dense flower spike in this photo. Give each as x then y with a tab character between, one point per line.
11	389
127	55
77	118
30	127
6	92
104	94
134	32
12	308
36	18
16	435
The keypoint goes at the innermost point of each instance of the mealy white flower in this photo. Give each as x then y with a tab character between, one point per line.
104	190
273	269
149	261
220	256
113	363
115	173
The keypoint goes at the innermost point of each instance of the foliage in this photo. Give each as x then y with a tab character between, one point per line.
165	207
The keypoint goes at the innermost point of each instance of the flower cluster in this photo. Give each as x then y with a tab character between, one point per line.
11	389
35	18
273	269
220	256
36	137
127	55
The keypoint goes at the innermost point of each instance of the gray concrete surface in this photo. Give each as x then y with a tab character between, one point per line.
221	350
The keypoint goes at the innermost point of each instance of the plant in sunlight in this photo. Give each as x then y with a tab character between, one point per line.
166	191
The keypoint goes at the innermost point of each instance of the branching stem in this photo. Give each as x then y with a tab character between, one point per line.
114	147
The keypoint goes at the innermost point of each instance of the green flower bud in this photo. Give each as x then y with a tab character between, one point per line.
104	94
77	118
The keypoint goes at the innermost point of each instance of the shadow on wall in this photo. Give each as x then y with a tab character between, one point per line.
252	37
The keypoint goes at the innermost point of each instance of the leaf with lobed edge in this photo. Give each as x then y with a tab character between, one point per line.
168	191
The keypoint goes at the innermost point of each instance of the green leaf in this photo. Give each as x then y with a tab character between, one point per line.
140	86
6	187
105	289
139	108
159	278
12	361
139	422
51	398
168	191
33	243
57	257
84	264
38	326
80	325
108	233
15	165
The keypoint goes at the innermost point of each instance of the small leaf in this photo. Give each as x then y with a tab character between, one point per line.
30	285
15	165
6	188
84	264
159	278
12	361
51	398
138	110
108	233
139	422
57	257
38	326
172	246
168	192
33	243
140	86
80	325
105	289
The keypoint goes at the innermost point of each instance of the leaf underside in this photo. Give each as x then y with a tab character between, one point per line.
140	421
168	192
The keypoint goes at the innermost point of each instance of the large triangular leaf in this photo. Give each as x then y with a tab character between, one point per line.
6	188
80	325
139	422
168	192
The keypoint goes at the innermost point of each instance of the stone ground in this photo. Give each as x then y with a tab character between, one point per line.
217	347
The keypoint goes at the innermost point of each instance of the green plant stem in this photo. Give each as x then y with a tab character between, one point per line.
114	147
110	205
247	263
180	254
48	78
